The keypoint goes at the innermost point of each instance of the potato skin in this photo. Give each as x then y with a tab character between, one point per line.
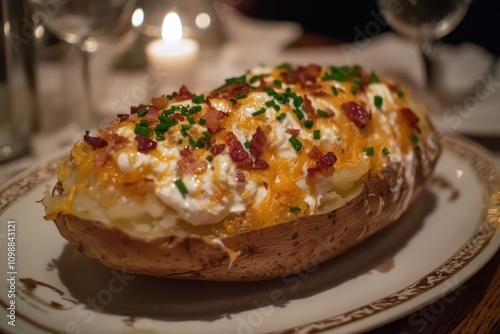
265	253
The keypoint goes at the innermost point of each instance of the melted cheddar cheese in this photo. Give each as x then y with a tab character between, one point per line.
265	147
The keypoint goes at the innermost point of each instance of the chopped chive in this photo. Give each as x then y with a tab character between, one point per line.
373	78
198	99
369	150
298	113
281	116
186	126
322	113
161	127
191	120
191	141
210	158
184	133
195	109
294	208
139	130
233	100
253	79
414	138
296	144
335	91
259	112
169	96
400	93
207	134
316	134
160	137
179	141
143	122
285	66
378	101
240	96
202	121
142	112
385	151
309	123
247	144
277	83
182	187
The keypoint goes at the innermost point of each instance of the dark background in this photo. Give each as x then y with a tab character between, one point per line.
337	19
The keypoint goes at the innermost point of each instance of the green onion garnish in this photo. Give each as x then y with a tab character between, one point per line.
160	137
385	151
182	187
143	122
322	113
400	93
142	112
369	150
377	100
335	91
210	158
309	123
277	83
294	208
281	116
253	79
247	144
259	112
296	144
191	120
139	130
373	78
414	138
207	134
316	134
202	121
161	127
198	99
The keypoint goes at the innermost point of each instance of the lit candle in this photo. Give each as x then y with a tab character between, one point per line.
173	53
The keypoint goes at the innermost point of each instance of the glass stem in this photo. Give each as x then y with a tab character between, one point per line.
90	116
426	54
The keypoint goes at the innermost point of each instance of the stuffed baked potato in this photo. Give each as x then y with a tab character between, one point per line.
273	172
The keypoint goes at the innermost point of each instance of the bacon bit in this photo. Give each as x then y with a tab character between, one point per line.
95	142
178	116
160	103
207	102
212	119
324	163
239	177
308	108
411	118
262	83
101	157
246	164
122	117
152	114
183	94
118	140
356	113
260	164
217	149
236	150
145	144
315	153
293	132
257	143
133	110
190	164
230	91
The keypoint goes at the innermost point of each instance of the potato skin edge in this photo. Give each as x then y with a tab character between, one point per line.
274	251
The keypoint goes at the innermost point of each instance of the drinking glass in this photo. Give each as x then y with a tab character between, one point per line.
84	23
424	22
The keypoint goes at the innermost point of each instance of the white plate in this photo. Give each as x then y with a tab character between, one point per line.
447	236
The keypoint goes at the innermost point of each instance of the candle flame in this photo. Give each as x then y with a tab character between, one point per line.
172	27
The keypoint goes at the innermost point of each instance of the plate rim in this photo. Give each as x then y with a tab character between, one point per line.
479	248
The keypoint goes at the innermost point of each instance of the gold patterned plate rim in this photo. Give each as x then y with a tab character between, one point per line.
480	247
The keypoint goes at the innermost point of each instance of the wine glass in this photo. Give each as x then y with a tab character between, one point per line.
82	23
424	21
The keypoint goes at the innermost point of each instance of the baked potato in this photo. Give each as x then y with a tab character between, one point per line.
273	172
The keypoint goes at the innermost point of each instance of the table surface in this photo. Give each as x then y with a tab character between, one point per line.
475	305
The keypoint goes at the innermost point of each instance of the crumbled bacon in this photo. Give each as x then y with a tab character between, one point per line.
101	157
236	150
260	164
239	177
160	102
190	164
230	91
183	94
212	119
293	132
95	142
356	113
307	76
308	108
257	143
217	149
122	117
247	164
178	116
411	118
133	110
152	114
324	163
145	144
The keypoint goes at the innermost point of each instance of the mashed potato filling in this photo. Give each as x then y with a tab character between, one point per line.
268	146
